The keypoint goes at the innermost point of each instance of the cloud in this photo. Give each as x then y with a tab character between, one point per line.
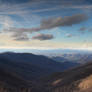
19	13
6	21
69	35
82	29
66	21
90	30
64	4
20	34
43	37
23	38
20	31
19	37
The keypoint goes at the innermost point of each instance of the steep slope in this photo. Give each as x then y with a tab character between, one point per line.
11	79
10	82
30	66
74	80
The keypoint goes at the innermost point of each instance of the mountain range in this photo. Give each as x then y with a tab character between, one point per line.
30	66
26	72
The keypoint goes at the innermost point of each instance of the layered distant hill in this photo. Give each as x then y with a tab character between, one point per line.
73	57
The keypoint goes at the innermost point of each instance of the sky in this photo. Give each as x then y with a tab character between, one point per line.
45	24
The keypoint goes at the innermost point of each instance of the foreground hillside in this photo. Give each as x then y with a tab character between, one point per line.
74	80
9	82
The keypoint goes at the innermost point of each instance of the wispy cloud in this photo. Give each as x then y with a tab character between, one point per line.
85	29
90	29
66	21
69	35
6	21
32	7
82	29
19	37
43	37
20	20
49	24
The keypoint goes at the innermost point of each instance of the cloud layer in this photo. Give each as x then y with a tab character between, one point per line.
21	33
19	19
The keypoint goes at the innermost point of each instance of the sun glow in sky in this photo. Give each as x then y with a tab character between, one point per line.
46	24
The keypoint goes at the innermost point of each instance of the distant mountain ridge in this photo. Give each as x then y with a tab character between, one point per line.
74	57
30	66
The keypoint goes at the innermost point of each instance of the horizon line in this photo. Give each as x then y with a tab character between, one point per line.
44	48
